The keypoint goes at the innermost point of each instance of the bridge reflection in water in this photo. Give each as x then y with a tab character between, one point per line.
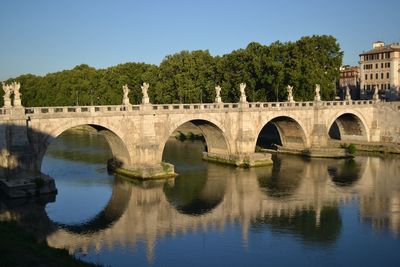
296	196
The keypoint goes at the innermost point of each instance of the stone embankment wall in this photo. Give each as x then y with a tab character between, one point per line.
388	115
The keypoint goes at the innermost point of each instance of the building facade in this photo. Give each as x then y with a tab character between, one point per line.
380	68
349	77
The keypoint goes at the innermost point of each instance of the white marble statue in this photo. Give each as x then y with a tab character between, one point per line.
290	93
218	94
242	87
17	95
347	96
8	90
145	97
317	93
375	95
125	99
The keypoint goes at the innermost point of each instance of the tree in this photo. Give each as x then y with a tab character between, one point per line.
191	77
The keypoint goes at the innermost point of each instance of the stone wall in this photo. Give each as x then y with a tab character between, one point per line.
389	122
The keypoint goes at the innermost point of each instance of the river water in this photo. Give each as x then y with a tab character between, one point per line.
299	211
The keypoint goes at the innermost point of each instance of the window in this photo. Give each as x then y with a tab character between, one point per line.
371	77
376	65
381	65
387	75
366	76
376	75
381	75
388	64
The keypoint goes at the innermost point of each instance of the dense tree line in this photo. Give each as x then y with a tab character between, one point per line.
190	77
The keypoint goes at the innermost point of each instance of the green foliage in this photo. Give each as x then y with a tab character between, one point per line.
352	149
191	77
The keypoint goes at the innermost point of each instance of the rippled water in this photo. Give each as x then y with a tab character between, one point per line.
297	212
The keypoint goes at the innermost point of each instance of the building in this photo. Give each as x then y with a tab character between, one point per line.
380	67
349	77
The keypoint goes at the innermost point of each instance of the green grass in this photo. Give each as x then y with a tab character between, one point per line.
19	248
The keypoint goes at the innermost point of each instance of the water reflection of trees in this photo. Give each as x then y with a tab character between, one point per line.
80	146
295	196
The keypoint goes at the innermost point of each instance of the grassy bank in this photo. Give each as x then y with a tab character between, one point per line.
19	248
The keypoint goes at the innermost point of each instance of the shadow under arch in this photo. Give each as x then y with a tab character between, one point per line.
283	131
117	146
214	136
282	180
348	127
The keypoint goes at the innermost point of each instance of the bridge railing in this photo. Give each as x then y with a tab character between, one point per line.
180	107
80	109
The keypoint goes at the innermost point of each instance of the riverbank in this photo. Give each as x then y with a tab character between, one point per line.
19	248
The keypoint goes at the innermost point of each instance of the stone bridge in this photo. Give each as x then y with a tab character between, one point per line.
137	134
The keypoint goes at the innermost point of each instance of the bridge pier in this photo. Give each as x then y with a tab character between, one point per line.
160	170
240	160
145	163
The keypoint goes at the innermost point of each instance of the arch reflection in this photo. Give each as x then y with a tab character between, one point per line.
303	224
284	177
196	194
345	172
303	202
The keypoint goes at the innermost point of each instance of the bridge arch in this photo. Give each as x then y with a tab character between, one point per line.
212	131
348	126
117	144
284	130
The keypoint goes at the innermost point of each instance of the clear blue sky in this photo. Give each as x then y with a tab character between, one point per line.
41	36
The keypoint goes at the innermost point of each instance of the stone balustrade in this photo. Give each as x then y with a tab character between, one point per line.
167	108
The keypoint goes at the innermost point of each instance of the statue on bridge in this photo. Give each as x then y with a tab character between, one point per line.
375	96
218	94
317	94
125	99
347	96
17	95
145	98
290	94
242	93
8	90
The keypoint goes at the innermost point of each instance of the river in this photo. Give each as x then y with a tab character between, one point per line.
303	212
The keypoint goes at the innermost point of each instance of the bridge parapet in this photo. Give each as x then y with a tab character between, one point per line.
166	108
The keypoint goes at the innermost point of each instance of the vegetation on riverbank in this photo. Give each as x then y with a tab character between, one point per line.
191	77
19	248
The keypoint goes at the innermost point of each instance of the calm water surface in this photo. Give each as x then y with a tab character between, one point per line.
297	212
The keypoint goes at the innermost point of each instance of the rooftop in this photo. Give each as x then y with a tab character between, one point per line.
383	49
